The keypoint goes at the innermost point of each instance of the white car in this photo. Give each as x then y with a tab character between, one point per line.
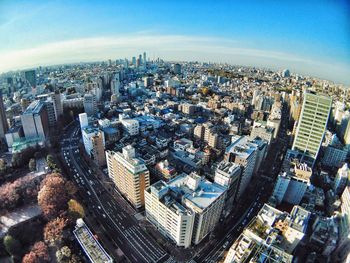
225	245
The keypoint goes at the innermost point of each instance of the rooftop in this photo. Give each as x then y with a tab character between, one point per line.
228	167
90	245
185	190
202	195
241	146
34	107
299	218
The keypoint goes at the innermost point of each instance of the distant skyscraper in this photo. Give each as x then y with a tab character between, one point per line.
286	73
115	84
177	68
312	125
3	121
144	58
30	76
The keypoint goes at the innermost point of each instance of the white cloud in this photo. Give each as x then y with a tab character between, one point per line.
172	47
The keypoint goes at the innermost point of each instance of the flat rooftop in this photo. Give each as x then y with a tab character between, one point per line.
34	107
228	167
203	196
90	245
241	146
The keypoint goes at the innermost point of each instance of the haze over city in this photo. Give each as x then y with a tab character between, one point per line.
307	37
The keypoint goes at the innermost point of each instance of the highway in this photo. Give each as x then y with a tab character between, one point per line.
121	228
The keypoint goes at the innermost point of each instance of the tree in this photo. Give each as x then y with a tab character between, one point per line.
38	254
12	245
53	230
32	165
3	167
65	255
205	91
53	196
17	160
71	188
22	190
50	161
9	196
76	209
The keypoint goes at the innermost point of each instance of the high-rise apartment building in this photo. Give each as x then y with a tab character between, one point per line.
98	148
58	106
341	179
90	104
30	76
260	129
228	175
312	125
88	133
129	174
242	152
35	121
83	120
343	246
291	185
115	84
207	133
3	120
185	209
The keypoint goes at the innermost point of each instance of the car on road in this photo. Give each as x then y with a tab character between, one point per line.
225	244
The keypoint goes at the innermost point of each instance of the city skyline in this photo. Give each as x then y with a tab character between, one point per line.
308	39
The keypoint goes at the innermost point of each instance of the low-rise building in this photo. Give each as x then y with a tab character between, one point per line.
272	235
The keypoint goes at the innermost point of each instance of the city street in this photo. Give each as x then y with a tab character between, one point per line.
120	226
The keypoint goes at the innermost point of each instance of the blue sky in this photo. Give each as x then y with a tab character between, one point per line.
308	37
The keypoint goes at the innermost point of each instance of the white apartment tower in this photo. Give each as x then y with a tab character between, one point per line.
185	209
